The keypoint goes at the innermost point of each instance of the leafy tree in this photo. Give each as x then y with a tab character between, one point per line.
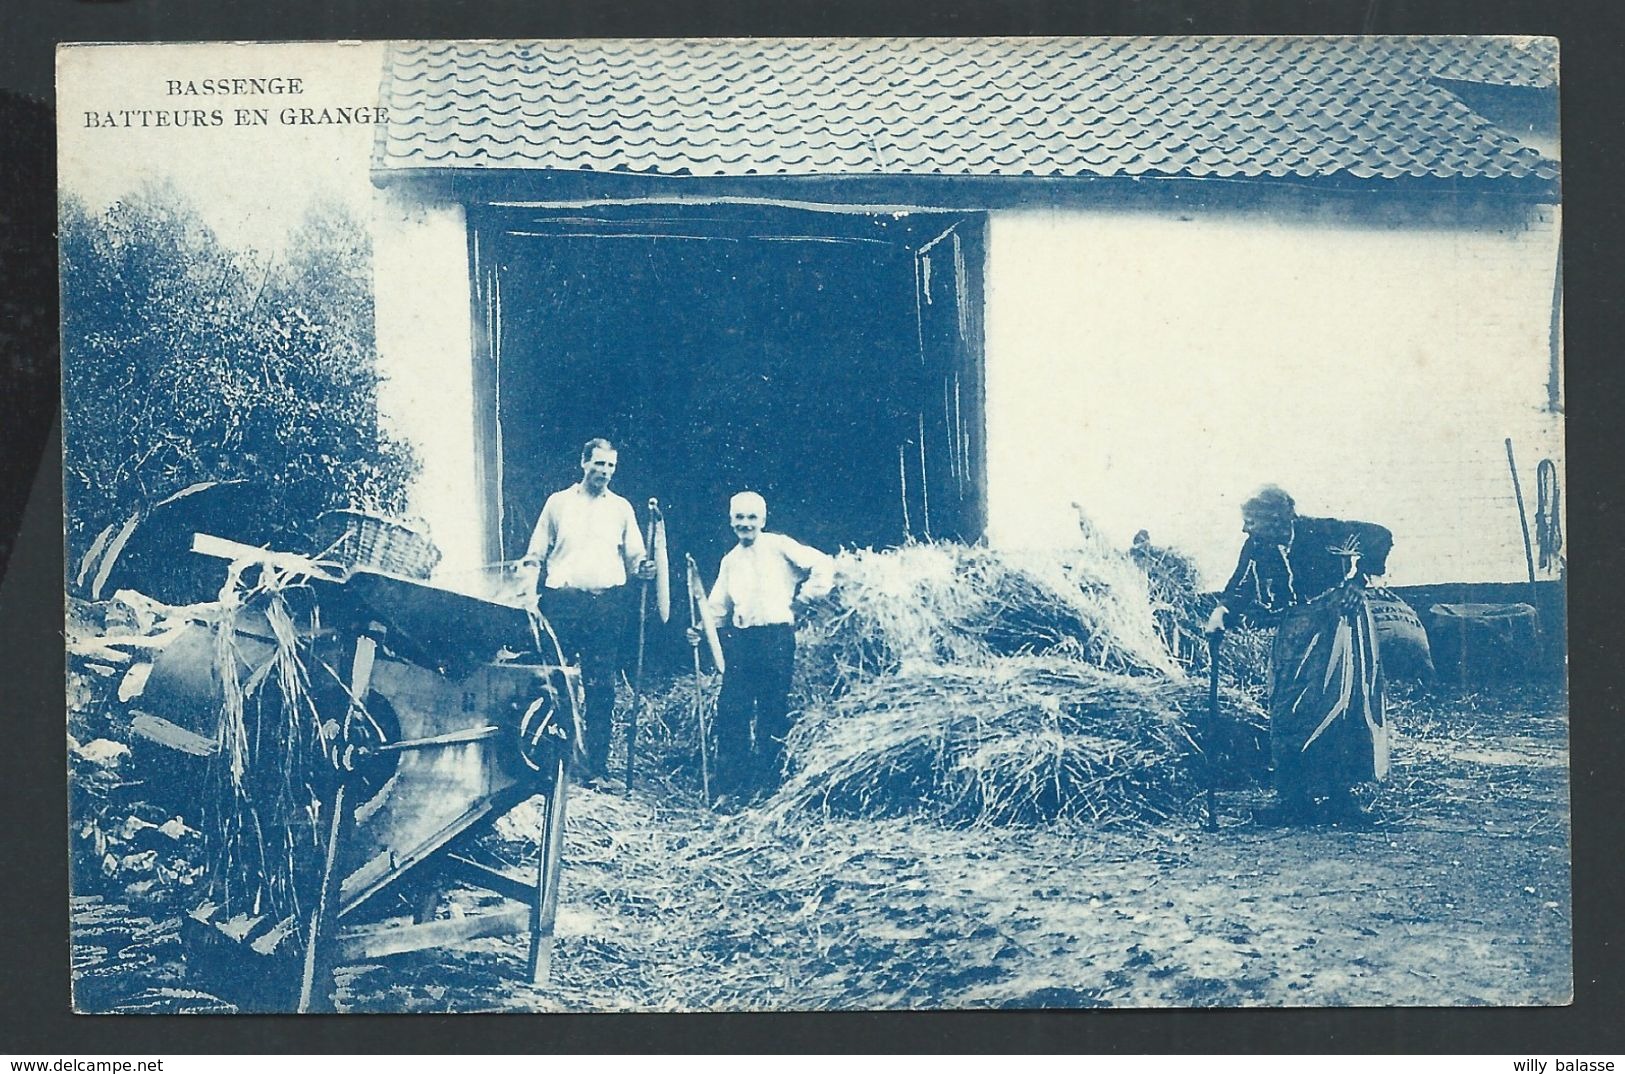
186	360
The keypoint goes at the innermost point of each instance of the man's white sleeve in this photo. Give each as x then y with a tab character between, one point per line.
718	607
632	547
542	539
818	568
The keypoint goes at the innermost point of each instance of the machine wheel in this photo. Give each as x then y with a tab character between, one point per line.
356	752
544	734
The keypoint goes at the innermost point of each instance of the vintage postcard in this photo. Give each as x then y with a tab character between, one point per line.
840	524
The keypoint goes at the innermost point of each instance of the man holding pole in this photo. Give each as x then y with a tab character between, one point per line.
757	585
585	545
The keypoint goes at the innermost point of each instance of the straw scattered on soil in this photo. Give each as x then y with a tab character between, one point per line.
675	910
667	907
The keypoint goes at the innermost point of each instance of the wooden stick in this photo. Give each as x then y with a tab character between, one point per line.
1214	642
545	908
467	869
637	668
316	981
695	617
699	720
1523	522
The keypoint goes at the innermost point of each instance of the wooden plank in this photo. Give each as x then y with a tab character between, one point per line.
321	954
387	864
316	980
417	614
491	879
206	544
161	731
380	941
544	909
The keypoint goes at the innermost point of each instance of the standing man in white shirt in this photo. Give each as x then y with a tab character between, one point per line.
758	583
585	546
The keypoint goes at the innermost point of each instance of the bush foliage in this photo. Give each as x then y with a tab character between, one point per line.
186	360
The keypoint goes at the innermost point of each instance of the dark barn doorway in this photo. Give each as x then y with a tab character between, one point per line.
831	361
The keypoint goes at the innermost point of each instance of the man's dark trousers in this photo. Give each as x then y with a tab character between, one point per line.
761	661
589	625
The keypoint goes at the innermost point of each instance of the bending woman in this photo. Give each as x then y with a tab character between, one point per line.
1307	577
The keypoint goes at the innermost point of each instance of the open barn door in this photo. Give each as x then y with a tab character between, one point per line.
830	360
940	462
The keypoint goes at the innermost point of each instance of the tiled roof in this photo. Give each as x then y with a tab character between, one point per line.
1366	108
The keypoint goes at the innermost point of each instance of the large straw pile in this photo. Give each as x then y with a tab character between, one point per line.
1180	609
1008	740
978	685
955	604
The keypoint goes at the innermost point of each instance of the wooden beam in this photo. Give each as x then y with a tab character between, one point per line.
491	879
205	544
544	908
165	733
380	941
316	980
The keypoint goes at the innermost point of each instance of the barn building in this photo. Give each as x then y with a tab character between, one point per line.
945	288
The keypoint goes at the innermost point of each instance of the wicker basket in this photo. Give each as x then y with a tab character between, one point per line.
357	539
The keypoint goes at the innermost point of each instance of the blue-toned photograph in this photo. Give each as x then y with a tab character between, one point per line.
814	524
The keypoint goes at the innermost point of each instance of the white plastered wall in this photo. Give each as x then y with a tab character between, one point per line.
425	357
1158	366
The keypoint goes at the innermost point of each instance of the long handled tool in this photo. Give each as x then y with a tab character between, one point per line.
700	623
1210	739
1523	523
655	542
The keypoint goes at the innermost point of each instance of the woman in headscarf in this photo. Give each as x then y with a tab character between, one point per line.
1307	578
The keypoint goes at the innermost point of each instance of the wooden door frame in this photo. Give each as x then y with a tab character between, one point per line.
490	226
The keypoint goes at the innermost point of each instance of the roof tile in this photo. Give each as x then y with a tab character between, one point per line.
1254	107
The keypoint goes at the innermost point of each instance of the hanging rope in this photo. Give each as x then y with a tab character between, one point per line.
1548	515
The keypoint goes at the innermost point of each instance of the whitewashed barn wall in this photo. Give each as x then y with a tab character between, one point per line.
1157	366
425	342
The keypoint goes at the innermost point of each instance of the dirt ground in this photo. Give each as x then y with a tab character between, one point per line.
1459	894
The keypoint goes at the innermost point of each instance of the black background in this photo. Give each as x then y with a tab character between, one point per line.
33	883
